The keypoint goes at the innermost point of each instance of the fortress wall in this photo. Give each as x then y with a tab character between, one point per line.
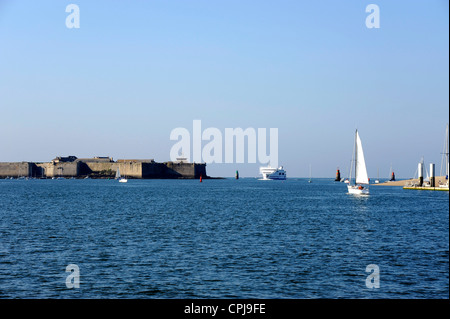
15	170
173	169
200	169
107	168
153	170
64	169
103	169
130	169
185	170
41	169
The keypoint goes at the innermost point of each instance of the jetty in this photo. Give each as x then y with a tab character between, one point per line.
427	188
432	182
413	183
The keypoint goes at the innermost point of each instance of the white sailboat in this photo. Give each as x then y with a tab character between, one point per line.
120	178
310	177
361	177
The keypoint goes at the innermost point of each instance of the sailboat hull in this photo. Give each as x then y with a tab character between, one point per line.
358	190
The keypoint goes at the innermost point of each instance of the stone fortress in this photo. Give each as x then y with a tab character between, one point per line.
103	167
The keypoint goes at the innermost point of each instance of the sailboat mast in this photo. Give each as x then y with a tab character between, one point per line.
353	159
356	155
444	161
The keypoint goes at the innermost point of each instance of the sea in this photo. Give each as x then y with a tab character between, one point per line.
221	238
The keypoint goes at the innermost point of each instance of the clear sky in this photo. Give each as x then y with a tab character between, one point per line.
135	70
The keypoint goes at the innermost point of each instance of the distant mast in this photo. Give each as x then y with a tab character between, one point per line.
445	158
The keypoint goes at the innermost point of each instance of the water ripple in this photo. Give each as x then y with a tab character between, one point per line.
220	239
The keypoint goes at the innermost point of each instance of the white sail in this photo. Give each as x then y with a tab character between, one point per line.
117	174
361	176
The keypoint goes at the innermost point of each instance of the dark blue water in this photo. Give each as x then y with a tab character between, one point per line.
220	239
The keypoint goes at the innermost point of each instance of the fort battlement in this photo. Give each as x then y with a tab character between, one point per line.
102	167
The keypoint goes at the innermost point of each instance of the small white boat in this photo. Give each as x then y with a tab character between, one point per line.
271	173
361	177
377	181
120	178
444	185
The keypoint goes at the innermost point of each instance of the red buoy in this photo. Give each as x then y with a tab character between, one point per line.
200	178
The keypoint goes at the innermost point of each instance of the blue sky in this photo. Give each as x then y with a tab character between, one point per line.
135	70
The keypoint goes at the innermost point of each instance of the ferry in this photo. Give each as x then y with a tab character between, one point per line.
272	173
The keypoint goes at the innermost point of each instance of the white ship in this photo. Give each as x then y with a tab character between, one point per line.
272	173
